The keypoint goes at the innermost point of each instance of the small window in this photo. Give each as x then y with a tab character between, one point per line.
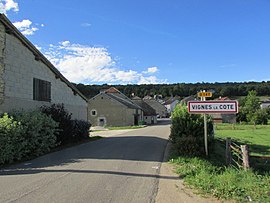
93	112
41	90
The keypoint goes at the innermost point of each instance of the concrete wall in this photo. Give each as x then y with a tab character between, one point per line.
113	112
20	67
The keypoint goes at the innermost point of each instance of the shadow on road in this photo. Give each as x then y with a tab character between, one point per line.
133	148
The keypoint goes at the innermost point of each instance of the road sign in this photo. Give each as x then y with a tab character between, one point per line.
204	94
211	107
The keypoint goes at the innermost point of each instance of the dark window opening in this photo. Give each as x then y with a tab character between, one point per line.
41	90
93	112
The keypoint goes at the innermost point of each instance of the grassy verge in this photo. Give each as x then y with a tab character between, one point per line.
125	127
222	182
211	176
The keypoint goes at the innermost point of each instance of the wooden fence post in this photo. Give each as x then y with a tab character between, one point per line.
228	151
245	155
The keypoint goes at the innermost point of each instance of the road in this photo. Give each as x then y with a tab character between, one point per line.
120	168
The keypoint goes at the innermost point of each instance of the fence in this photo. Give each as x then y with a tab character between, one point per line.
239	155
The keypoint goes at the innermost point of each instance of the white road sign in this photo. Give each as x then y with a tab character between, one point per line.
225	107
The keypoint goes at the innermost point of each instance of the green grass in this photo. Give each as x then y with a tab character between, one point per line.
211	176
125	127
223	182
258	139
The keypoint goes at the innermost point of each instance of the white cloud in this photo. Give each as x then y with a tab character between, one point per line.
26	27
85	24
8	5
151	70
88	64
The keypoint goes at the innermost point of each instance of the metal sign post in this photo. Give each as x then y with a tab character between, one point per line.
203	96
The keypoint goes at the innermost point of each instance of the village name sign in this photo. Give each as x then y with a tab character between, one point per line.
223	107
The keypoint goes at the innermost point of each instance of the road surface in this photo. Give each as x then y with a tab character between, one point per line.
120	168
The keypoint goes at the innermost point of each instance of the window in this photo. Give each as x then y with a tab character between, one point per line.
41	90
93	112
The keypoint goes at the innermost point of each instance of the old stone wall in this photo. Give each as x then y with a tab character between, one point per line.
2	65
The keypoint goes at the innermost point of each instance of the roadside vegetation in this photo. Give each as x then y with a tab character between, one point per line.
210	175
25	135
126	127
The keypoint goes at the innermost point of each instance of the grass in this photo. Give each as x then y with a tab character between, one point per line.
223	182
258	139
211	176
125	127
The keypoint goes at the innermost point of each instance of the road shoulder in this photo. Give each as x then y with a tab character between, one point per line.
173	190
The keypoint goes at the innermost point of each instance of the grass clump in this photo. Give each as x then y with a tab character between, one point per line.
223	182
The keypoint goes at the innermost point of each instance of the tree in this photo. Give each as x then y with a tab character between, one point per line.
251	106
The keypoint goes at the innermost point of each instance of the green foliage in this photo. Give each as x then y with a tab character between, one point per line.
70	130
182	89
187	131
25	135
251	112
63	117
80	130
222	182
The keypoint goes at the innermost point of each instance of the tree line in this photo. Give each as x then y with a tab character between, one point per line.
231	89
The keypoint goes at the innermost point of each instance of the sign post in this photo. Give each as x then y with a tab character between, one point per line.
205	107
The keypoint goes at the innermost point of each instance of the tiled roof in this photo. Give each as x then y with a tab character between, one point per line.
112	90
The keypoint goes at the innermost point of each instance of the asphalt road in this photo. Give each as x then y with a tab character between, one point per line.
120	168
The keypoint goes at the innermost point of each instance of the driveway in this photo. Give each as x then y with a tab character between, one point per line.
119	168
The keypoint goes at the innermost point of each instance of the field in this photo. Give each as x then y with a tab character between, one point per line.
258	139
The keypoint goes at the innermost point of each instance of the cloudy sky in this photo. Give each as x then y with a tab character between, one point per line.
153	41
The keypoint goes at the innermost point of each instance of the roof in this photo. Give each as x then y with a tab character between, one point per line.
223	98
189	98
11	29
116	95
123	101
170	101
112	90
147	109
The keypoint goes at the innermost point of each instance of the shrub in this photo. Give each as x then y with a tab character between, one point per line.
26	134
187	131
11	140
63	117
80	130
40	132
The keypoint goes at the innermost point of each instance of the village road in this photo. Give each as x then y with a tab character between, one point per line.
118	168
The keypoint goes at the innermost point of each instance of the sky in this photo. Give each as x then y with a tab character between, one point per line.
149	42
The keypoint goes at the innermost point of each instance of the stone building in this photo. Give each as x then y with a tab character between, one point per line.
149	114
159	108
112	108
28	80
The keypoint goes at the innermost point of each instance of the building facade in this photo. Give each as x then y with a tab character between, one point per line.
112	108
28	80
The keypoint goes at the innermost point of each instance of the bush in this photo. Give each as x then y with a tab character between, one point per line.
63	117
80	129
26	134
187	131
70	130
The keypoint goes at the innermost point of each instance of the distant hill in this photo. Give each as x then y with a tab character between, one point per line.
230	89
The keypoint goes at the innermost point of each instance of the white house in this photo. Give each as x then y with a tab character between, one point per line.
28	80
170	104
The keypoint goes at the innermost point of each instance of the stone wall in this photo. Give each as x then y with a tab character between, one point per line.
114	113
2	65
